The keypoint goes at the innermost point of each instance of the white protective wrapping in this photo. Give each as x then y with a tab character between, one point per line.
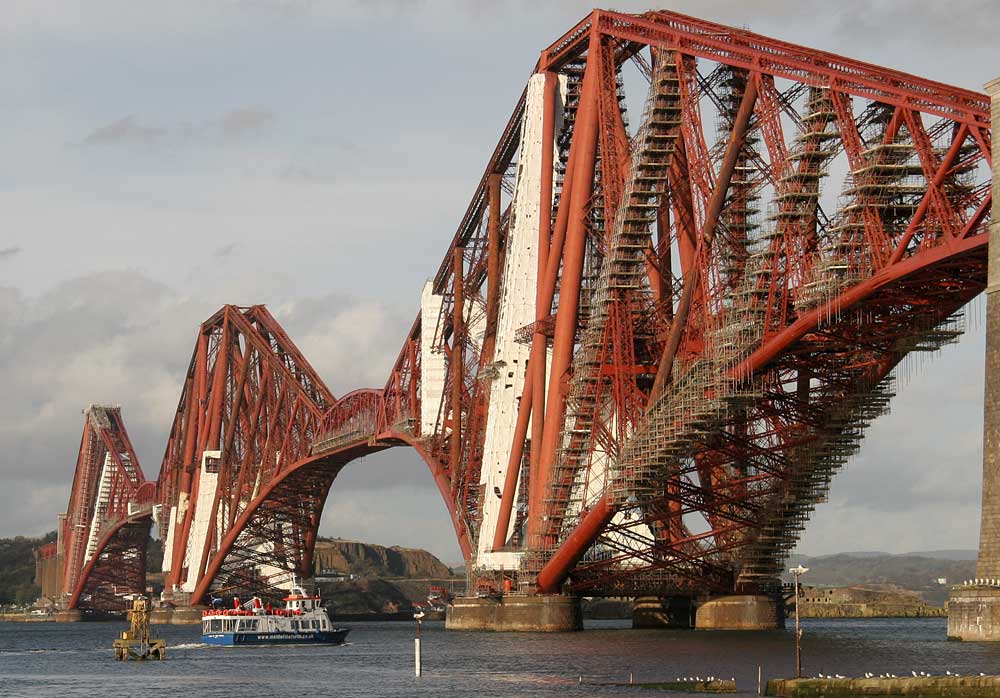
100	509
432	360
207	482
517	309
168	545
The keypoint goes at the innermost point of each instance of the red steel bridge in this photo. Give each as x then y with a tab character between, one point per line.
670	312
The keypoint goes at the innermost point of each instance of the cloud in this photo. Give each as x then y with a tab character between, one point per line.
126	130
8	252
226	251
243	122
234	125
354	347
390	499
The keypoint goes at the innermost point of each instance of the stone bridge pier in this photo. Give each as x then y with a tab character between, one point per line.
974	608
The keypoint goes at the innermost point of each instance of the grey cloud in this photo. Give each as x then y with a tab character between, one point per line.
126	130
235	125
226	251
8	252
243	122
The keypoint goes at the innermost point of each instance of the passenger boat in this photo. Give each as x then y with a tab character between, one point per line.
303	621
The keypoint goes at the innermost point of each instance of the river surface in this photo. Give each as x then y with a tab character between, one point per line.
68	660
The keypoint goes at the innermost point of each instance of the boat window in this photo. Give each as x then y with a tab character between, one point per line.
295	625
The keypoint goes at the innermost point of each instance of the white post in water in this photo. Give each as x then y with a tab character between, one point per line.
798	572
416	644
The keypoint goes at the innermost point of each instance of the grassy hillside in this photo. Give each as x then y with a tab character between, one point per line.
17	568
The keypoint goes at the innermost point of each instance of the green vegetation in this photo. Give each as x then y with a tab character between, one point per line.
17	568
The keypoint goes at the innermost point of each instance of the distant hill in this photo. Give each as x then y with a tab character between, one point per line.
947	554
918	572
338	556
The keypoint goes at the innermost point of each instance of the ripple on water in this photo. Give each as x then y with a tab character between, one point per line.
67	661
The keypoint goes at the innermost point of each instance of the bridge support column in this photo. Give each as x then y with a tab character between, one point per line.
69	615
974	613
540	614
666	612
739	612
974	609
176	615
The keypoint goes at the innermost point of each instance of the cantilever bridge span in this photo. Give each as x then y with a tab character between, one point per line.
665	320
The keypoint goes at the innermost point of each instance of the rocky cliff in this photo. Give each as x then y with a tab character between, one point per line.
347	557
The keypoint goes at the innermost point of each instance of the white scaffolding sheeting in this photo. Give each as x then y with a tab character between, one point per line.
100	510
516	309
433	366
207	481
168	545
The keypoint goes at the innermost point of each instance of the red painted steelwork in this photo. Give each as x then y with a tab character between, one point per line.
704	385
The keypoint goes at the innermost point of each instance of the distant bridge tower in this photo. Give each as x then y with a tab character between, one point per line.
974	611
100	554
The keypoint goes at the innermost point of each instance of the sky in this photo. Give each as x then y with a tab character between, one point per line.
158	160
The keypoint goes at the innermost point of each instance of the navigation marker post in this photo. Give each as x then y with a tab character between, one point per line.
416	644
796	573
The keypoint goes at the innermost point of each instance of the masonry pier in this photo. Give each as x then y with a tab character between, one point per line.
732	612
69	615
176	615
543	613
974	607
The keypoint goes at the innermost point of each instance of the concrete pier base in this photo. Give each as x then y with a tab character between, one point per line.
176	615
540	614
667	612
71	615
739	612
974	614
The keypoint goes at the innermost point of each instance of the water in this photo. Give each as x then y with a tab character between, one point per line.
66	660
